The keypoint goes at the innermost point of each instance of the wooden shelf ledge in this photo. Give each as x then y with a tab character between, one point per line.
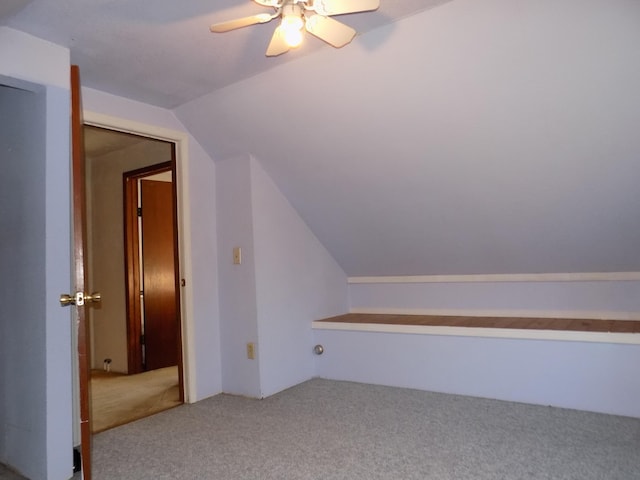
569	329
520	323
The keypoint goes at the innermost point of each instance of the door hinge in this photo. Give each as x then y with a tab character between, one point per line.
139	211
141	339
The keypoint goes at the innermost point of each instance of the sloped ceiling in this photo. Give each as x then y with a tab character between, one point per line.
9	7
99	141
458	137
477	137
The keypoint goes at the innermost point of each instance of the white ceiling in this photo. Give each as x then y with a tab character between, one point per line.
8	7
162	53
99	142
451	137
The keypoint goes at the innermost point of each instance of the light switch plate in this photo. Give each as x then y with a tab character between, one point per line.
251	351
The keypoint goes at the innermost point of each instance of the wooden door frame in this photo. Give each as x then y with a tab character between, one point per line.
132	260
181	142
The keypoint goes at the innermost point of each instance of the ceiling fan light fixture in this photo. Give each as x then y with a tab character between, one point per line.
292	36
291	24
312	15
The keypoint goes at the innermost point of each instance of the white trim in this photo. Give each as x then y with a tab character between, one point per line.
561	335
181	141
135	128
508	277
590	315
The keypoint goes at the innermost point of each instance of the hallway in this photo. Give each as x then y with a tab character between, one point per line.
117	399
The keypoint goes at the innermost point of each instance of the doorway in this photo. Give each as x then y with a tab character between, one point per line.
109	154
151	266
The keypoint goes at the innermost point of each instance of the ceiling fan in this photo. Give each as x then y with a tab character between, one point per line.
313	15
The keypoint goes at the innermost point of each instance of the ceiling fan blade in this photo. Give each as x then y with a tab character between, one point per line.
277	45
339	7
240	22
331	31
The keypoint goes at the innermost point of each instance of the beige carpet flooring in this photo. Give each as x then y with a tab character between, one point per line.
117	399
329	430
7	474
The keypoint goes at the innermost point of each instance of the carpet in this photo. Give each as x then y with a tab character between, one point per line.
7	474
117	399
333	430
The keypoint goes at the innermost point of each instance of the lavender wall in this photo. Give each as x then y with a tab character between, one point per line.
23	254
59	330
237	283
35	386
592	298
297	281
286	280
599	377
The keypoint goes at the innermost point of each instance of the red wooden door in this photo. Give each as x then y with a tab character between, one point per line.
159	282
79	268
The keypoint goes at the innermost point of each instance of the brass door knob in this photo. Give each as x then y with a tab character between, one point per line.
95	297
66	300
79	299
